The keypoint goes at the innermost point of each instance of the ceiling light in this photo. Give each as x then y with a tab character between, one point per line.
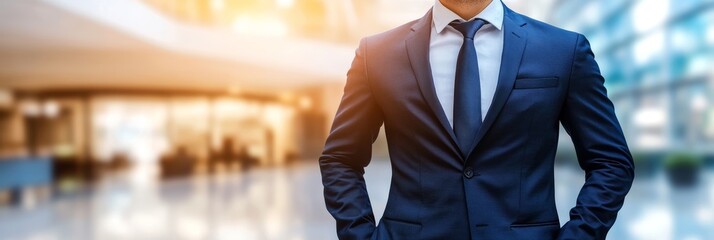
285	3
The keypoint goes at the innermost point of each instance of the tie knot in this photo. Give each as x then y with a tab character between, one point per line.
468	29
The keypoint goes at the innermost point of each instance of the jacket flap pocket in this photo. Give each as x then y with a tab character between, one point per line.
522	83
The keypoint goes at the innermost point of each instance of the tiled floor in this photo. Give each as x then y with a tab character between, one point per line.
286	204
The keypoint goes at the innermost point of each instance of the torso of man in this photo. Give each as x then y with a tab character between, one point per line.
534	77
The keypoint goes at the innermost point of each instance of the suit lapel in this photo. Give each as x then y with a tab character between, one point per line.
417	45
514	43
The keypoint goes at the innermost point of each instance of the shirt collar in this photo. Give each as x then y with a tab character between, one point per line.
442	16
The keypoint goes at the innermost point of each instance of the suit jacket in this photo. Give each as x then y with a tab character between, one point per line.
503	189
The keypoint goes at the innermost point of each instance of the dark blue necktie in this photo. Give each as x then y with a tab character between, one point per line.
467	88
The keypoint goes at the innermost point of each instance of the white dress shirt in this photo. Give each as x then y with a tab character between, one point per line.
444	47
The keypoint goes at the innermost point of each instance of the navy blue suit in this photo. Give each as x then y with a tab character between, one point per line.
504	189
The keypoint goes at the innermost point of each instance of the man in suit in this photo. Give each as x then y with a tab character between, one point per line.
470	96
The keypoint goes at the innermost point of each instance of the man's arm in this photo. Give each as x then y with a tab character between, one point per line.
347	151
589	118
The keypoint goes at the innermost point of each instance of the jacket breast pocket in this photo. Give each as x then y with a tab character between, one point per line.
526	83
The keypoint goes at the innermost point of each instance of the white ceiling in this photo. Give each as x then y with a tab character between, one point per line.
122	43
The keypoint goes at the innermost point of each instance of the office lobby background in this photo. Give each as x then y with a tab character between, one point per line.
191	119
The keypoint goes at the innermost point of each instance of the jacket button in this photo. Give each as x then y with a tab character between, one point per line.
468	172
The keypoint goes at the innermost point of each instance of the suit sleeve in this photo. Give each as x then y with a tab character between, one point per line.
347	151
589	118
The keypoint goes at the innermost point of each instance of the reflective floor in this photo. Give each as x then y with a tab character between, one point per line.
286	203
